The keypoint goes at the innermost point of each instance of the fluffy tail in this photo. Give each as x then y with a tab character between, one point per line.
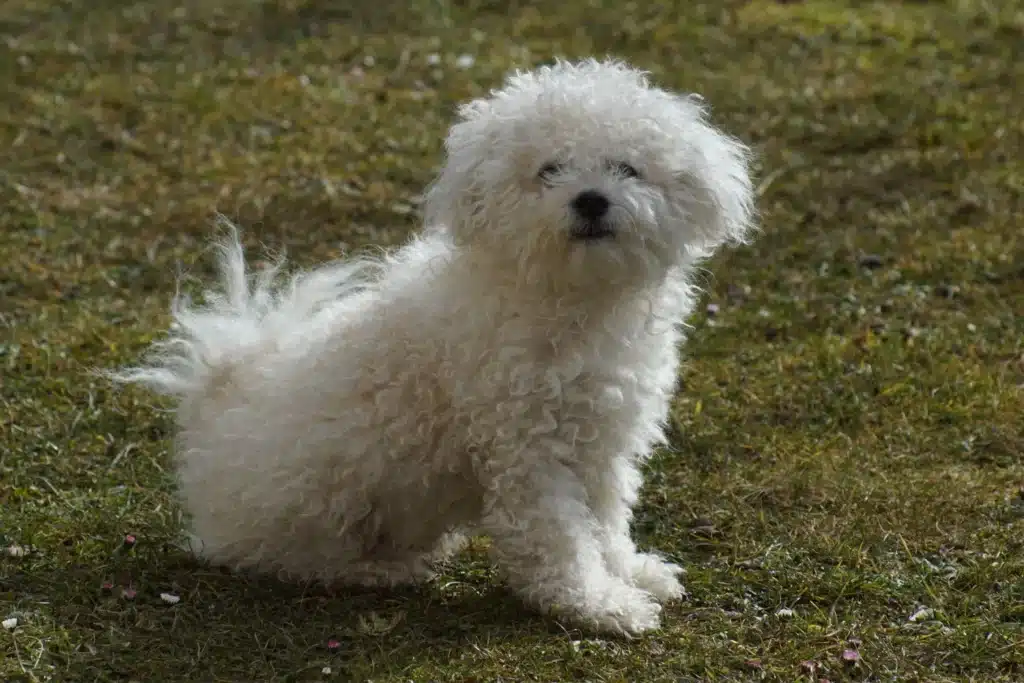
246	313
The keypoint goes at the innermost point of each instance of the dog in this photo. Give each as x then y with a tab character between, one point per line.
505	372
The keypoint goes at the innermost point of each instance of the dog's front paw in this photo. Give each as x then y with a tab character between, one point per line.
630	611
621	609
657	577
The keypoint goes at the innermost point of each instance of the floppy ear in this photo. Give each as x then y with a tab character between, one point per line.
716	169
453	197
724	210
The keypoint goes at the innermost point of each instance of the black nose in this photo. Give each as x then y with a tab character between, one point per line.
590	205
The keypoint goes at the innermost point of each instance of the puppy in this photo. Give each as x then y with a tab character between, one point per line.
503	373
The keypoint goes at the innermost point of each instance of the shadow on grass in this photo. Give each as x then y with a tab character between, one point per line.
233	625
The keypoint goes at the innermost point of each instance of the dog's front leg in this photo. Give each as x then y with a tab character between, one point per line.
548	543
612	492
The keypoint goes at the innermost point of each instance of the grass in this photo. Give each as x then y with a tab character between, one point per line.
848	438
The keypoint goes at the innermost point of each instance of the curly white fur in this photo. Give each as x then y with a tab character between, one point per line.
503	373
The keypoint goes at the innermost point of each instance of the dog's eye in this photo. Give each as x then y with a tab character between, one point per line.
624	169
549	171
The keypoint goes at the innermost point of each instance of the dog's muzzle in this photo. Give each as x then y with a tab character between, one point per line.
590	208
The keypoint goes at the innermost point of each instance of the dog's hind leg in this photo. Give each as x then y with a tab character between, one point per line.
397	567
388	572
448	545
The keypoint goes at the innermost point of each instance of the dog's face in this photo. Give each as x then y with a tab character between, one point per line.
583	173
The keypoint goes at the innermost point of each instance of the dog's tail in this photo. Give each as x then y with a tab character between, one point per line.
247	313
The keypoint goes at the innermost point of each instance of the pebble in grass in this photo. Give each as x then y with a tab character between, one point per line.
921	614
170	598
15	550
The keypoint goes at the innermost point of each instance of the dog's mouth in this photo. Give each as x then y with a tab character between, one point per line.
591	231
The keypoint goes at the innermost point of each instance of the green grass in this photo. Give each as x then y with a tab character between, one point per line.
848	441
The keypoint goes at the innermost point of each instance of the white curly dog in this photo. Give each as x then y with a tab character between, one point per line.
503	373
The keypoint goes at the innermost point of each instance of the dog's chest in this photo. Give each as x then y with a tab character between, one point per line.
575	393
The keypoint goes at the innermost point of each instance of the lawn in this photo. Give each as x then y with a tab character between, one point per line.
844	483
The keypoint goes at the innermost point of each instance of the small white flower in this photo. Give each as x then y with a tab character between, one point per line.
433	59
465	61
9	624
326	671
785	613
170	598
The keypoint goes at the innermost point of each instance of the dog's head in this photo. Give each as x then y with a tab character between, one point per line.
583	171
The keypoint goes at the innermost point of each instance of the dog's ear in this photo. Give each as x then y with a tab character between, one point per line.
726	188
451	200
715	169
